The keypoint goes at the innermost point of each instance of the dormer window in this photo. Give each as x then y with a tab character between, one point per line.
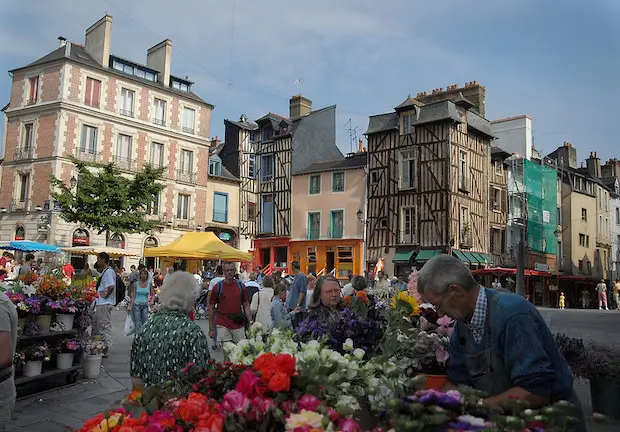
215	166
266	133
408	122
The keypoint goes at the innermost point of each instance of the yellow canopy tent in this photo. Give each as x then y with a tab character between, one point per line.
199	245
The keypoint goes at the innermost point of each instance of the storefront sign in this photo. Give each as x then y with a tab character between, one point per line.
20	233
224	236
542	267
80	238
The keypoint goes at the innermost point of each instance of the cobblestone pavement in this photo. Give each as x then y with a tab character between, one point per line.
66	409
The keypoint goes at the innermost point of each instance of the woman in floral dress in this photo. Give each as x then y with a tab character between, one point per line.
170	339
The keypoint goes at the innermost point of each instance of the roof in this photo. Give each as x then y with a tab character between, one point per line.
5	107
215	150
408	103
463	101
77	53
247	125
356	161
497	152
382	122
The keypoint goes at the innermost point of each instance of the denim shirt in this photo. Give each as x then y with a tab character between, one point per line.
279	317
521	339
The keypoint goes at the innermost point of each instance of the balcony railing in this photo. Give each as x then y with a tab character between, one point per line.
336	233
23	153
313	234
160	122
123	163
19	205
126	113
188	130
220	216
87	155
186	177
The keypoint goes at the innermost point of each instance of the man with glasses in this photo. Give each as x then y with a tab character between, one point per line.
501	345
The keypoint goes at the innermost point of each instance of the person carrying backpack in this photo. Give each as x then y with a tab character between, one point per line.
229	308
106	288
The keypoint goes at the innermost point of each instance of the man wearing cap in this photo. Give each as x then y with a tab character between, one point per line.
106	288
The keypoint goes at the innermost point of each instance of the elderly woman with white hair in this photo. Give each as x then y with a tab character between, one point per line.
170	339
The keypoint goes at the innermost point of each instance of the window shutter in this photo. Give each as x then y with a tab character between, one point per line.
96	92
504	207
491	197
405	172
89	91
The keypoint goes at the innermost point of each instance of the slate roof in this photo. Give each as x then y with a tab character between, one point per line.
215	151
75	52
408	103
440	111
250	125
356	161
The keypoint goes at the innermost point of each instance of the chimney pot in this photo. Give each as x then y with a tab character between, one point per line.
361	146
475	82
62	41
594	154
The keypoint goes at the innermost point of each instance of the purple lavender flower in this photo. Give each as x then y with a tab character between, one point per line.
434	397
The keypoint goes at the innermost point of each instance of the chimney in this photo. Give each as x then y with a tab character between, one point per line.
62	41
360	148
158	58
473	91
593	163
97	42
299	106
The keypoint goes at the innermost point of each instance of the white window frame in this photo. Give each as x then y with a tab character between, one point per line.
463	170
85	142
160	106
28	137
408	174
263	176
408	126
464	220
186	125
251	165
124	146
409	234
34	86
215	166
497	204
499	170
186	161
183	206
127	102
153	148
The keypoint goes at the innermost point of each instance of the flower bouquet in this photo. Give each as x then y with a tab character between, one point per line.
38	352
83	289
359	303
62	306
51	286
65	352
94	347
28	278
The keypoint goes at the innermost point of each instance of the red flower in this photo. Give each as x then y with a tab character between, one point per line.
91	423
308	402
264	361
247	383
280	382
286	363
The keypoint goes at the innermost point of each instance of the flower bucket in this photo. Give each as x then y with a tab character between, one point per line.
605	394
435	382
91	366
45	321
66	320
33	368
64	360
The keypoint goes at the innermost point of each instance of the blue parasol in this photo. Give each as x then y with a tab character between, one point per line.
30	246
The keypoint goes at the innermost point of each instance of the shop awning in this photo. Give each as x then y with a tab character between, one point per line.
403	256
483	259
460	255
425	255
473	259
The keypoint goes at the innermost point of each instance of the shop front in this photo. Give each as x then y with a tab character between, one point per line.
150	262
540	286
339	257
80	237
227	235
271	254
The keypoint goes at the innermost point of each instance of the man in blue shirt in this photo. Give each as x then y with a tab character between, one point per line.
297	293
501	345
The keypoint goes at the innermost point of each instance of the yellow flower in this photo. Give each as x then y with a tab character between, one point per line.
305	418
403	298
103	426
114	419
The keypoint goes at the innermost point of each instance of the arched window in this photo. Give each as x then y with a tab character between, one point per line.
81	237
150	242
117	241
20	233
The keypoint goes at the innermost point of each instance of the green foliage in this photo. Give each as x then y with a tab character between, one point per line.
106	201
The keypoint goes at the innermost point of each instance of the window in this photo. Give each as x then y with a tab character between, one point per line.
559	216
337	224
266	168
407	169
93	92
159	112
153	206
220	207
186	161
253	136
600	225
408	120
582	240
130	69
123	147
183	206
127	97
267	214
88	144
587	241
189	119
584	215
560	254
409	225
33	95
156	155
179	85
215	166
28	136
465	227
315	184
606	201
374	177
251	211
617	215
251	165
314	225
266	133
338	182
24	185
496	199
607	227
497	241
463	180
498	168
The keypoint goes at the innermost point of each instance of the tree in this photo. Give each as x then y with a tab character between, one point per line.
106	201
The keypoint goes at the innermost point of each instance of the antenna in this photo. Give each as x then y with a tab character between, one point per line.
298	83
352	132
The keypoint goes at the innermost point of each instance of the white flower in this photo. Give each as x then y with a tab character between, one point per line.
474	421
348	345
29	290
312	345
359	353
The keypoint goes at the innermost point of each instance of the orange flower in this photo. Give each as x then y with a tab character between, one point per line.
280	382
92	423
347	300
134	396
362	296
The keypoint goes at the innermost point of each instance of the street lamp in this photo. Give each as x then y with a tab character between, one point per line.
73	182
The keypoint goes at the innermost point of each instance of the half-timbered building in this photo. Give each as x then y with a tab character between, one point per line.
498	206
428	182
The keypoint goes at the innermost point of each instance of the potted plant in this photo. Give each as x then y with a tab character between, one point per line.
599	363
65	311
65	351
34	357
93	352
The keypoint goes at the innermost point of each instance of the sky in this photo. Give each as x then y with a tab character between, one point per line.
556	61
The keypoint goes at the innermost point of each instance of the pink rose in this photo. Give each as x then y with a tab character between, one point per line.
424	324
247	383
308	402
444	321
287	406
333	414
441	354
260	406
235	401
348	425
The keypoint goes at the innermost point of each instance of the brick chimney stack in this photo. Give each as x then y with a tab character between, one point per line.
299	106
472	91
593	163
98	40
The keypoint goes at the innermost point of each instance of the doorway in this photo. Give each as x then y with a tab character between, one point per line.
265	257
330	261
